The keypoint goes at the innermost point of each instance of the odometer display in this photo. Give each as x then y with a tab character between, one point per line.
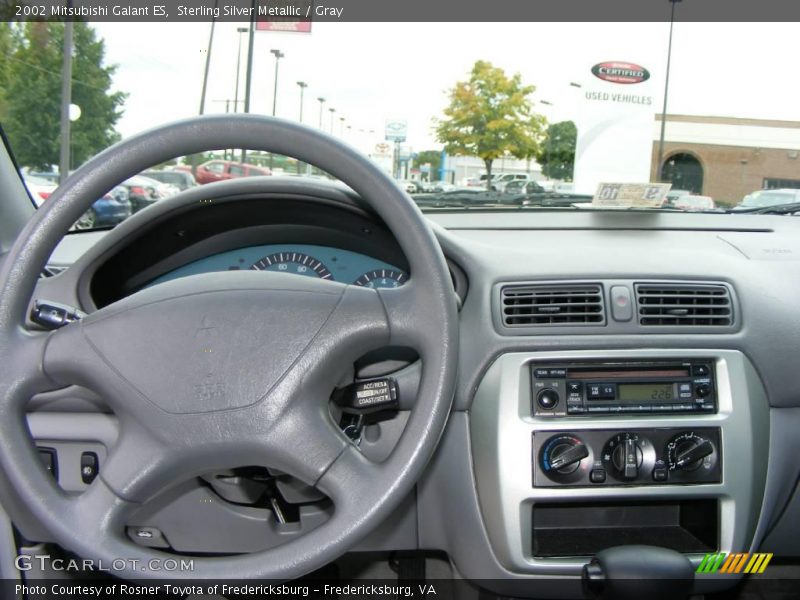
647	391
295	263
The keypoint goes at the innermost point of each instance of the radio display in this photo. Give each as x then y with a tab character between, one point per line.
647	391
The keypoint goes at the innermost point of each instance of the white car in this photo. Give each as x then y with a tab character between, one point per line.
40	189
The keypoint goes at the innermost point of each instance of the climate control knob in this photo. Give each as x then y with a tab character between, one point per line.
626	455
561	457
689	451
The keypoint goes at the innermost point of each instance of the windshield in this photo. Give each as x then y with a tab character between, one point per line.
758	199
480	118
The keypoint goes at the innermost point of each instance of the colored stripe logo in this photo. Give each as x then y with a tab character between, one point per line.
738	562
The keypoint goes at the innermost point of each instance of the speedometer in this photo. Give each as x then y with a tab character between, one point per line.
382	278
296	263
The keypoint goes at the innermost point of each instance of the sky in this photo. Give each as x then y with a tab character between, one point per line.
371	72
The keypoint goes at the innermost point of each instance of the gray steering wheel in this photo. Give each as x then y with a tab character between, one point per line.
225	369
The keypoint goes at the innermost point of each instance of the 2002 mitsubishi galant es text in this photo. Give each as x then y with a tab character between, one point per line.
540	394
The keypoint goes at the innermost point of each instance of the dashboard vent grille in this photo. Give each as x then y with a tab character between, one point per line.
526	305
51	271
684	305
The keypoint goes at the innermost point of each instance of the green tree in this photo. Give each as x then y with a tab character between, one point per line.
434	157
557	157
489	116
33	101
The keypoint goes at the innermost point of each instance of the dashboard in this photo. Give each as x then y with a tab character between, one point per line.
306	260
704	415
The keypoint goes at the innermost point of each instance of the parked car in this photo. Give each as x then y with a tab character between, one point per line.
113	208
183	180
143	191
521	186
219	170
499	182
442	186
50	177
691	202
763	198
673	195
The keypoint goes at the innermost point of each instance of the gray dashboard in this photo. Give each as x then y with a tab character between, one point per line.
469	502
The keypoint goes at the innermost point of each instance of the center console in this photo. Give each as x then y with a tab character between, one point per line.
578	451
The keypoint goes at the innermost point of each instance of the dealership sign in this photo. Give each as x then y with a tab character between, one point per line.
620	72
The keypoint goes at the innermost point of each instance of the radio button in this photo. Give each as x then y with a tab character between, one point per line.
608	391
558	372
598	409
575	387
685	387
700	371
593	391
540	373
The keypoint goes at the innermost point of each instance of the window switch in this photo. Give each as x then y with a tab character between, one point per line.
89	467
49	458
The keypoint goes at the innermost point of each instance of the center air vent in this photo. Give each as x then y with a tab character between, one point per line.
527	305
684	305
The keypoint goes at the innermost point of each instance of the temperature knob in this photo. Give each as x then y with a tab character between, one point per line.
689	451
561	456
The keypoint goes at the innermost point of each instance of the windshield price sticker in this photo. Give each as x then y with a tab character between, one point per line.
631	195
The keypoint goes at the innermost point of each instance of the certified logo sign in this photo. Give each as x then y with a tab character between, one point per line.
620	72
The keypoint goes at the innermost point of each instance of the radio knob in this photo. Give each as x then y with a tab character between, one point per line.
702	390
547	398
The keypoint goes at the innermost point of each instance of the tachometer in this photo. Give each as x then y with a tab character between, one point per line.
296	263
382	278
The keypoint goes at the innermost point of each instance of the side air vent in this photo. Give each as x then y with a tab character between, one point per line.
684	305
546	305
51	271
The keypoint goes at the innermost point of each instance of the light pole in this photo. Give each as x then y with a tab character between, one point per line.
332	111
240	30
321	101
278	56
248	80
66	100
341	126
302	85
666	91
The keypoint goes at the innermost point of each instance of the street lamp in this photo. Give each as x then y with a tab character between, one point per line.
341	126
302	85
332	111
666	90
321	101
240	30
278	56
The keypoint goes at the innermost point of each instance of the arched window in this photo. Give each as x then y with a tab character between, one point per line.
684	172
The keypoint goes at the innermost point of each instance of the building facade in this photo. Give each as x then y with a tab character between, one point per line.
727	158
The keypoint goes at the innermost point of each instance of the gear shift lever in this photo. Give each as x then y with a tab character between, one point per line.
636	572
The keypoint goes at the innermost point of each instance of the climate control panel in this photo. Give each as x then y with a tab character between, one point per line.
655	456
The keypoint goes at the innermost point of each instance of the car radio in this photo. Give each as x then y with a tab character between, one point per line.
622	388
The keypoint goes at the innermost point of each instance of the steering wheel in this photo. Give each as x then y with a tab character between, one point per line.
224	369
